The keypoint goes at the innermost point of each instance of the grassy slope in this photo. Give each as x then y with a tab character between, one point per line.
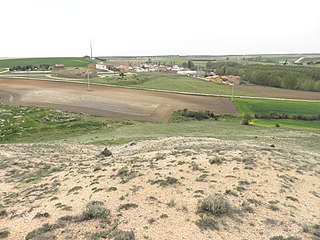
67	61
32	124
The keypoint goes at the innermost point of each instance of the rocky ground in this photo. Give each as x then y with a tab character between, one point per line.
171	188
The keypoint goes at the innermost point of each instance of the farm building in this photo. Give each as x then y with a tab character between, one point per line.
123	68
59	66
188	73
176	68
229	79
102	66
216	79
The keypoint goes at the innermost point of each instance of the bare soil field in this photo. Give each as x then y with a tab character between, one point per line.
280	92
107	101
170	188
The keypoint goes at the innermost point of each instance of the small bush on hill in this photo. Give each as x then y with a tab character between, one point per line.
284	238
246	119
95	210
187	114
215	205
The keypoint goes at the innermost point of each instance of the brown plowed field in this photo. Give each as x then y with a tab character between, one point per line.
107	101
280	92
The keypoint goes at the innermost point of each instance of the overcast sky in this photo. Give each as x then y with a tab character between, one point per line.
37	28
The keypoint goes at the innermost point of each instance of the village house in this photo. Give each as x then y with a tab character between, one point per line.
188	73
59	66
101	66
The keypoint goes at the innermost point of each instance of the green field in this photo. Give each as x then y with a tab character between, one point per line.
265	106
254	106
67	61
169	82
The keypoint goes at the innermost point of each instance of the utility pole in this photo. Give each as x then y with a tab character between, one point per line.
232	94
88	76
90	50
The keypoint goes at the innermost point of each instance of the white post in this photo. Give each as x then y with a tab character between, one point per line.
88	82
232	94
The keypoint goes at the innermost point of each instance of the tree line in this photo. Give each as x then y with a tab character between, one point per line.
290	77
30	68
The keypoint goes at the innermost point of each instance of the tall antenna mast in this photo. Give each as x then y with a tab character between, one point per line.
91	49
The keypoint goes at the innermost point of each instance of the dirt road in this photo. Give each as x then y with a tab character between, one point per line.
107	101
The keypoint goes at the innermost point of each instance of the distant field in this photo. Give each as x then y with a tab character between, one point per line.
67	61
265	106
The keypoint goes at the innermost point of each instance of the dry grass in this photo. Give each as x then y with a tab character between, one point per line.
173	188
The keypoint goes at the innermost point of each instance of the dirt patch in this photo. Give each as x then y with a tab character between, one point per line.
153	188
107	101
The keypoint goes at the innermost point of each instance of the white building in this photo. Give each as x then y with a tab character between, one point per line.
176	68
188	73
102	66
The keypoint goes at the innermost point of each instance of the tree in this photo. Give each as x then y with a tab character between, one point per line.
121	74
185	65
246	118
209	65
190	65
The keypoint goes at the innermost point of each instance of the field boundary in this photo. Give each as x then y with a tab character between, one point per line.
165	91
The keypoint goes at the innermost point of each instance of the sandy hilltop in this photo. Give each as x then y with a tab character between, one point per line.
170	188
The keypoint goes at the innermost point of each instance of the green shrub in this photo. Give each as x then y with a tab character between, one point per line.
127	206
115	234
187	114
207	224
215	205
284	238
42	215
95	210
246	119
4	234
217	160
3	213
38	233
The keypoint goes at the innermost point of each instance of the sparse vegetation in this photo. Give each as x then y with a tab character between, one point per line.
216	160
42	215
207	223
165	182
96	210
185	115
115	234
3	213
127	206
4	233
44	232
314	230
216	205
284	238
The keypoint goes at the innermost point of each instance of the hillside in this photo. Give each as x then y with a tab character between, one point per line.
170	188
